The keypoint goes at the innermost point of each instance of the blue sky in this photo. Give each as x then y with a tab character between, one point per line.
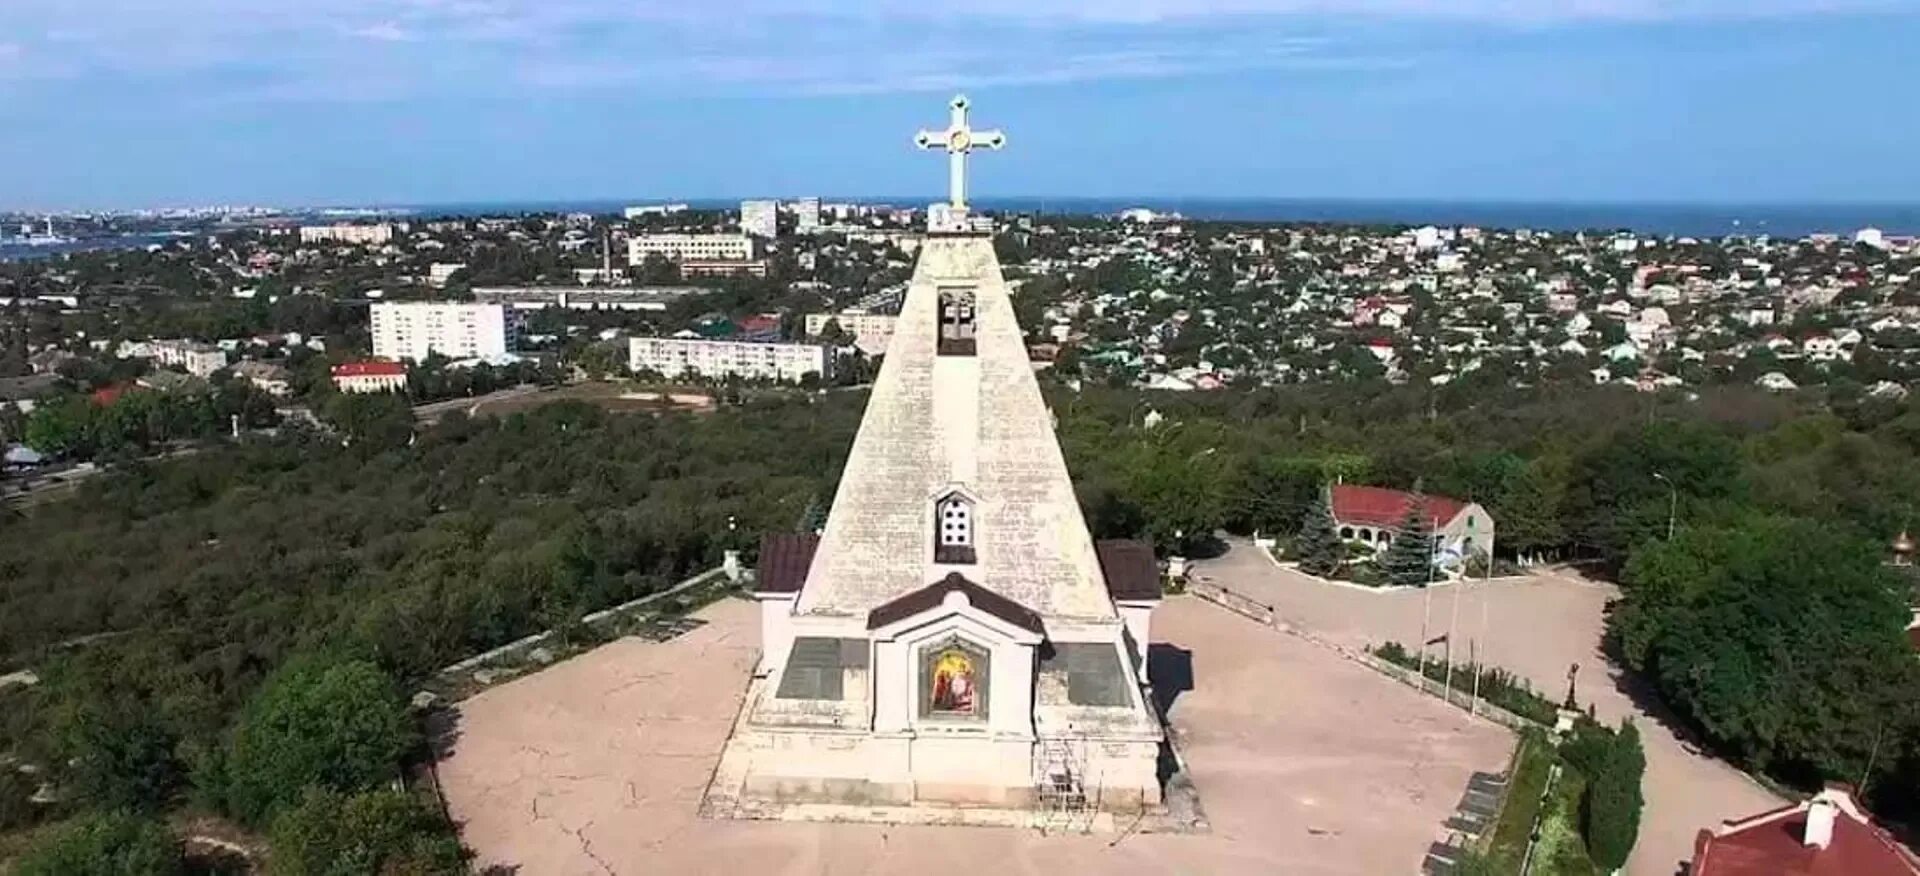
116	103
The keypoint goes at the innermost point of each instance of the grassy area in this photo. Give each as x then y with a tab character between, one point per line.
1497	686
1562	851
1515	823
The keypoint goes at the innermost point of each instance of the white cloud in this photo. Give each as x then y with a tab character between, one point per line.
690	46
385	32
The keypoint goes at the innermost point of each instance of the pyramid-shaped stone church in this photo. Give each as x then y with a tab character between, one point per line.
954	637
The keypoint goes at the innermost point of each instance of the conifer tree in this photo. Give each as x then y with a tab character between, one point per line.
1614	801
1317	544
1409	559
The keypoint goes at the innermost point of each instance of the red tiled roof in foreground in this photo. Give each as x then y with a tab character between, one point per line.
1379	506
1774	844
370	369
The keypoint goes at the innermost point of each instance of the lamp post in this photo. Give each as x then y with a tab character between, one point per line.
1673	501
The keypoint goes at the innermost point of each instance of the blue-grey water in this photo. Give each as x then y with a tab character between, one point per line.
1683	220
1690	220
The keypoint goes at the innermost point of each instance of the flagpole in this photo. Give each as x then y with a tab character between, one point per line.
1426	619
1486	593
1453	624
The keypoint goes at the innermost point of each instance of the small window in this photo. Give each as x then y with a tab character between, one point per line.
956	322
953	530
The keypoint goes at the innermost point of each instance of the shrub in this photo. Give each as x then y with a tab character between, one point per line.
333	834
107	844
1497	686
16	792
341	726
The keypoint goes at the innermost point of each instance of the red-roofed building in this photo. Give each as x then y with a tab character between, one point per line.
370	377
1828	835
1372	515
105	396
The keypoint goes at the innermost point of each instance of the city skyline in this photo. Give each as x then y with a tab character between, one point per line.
111	105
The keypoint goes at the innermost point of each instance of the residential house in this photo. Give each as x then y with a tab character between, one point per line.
1373	516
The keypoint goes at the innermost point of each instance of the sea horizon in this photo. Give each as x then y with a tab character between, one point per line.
1662	218
1652	218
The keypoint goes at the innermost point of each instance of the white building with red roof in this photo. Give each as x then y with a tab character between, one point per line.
1828	835
1373	516
370	377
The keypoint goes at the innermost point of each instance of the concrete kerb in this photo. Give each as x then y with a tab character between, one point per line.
450	676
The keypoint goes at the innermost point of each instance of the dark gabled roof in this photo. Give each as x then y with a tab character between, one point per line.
1131	571
930	597
784	558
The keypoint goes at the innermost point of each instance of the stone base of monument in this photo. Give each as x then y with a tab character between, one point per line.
738	791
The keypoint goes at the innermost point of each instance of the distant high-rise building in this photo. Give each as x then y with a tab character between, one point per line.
760	218
806	212
457	330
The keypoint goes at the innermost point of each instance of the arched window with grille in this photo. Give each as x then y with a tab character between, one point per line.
953	529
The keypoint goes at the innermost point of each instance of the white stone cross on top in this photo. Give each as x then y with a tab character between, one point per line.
958	140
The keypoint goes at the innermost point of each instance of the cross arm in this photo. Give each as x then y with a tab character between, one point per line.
990	139
931	140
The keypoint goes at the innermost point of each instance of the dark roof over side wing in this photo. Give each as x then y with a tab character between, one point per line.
1133	575
784	558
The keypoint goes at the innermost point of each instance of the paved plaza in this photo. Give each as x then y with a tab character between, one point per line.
1536	627
1305	763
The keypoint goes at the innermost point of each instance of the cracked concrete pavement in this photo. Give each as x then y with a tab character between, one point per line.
1306	763
1535	627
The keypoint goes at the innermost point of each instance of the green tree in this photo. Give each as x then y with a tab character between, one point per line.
1617	503
375	419
1317	544
832	334
1781	639
115	749
64	427
601	359
380	832
338	725
105	844
1181	493
1614	801
1530	515
1409	558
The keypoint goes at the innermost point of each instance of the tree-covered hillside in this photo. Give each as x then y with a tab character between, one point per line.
158	601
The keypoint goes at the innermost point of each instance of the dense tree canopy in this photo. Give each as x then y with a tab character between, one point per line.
157	601
340	726
379	832
107	844
1781	638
